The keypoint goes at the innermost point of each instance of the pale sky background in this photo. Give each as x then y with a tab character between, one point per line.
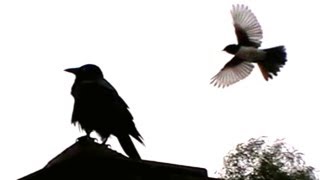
160	56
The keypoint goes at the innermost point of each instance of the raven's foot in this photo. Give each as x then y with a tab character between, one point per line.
86	138
108	145
104	143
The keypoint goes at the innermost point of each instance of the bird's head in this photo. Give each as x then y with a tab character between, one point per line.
232	48
86	72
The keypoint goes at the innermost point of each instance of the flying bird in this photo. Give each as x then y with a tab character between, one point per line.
98	107
247	52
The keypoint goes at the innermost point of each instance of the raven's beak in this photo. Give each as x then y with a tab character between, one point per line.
72	70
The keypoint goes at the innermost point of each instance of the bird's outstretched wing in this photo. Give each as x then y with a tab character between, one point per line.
247	27
234	71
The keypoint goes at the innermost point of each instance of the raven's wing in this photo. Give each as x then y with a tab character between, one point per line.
247	27
234	71
91	100
108	110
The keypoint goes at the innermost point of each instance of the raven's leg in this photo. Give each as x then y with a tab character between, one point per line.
86	137
88	132
104	140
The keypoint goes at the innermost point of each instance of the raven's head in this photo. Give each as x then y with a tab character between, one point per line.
86	72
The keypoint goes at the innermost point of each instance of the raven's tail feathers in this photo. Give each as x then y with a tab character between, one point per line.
128	147
137	136
276	58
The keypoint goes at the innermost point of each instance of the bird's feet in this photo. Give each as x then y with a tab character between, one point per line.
86	138
104	143
108	145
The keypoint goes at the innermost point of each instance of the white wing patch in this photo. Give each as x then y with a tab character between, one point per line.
243	18
231	75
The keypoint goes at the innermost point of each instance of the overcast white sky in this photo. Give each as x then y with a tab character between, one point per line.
160	56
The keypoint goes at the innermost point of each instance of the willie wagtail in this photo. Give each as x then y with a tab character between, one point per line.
246	52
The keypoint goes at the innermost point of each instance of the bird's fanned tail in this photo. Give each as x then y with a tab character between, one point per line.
128	146
276	58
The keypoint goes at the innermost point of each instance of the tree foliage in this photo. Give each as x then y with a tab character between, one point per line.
259	160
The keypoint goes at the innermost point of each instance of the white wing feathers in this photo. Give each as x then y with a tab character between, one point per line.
231	75
244	19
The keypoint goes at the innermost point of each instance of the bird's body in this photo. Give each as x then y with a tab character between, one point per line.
98	107
247	52
250	54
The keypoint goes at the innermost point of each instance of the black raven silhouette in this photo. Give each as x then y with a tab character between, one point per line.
98	107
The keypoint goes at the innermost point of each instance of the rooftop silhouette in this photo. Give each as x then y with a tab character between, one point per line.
86	159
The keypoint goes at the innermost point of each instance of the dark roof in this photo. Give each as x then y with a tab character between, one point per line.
85	147
87	159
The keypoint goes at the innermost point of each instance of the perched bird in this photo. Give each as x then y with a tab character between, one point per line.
246	52
98	107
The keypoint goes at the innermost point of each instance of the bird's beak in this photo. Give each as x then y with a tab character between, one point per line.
72	70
